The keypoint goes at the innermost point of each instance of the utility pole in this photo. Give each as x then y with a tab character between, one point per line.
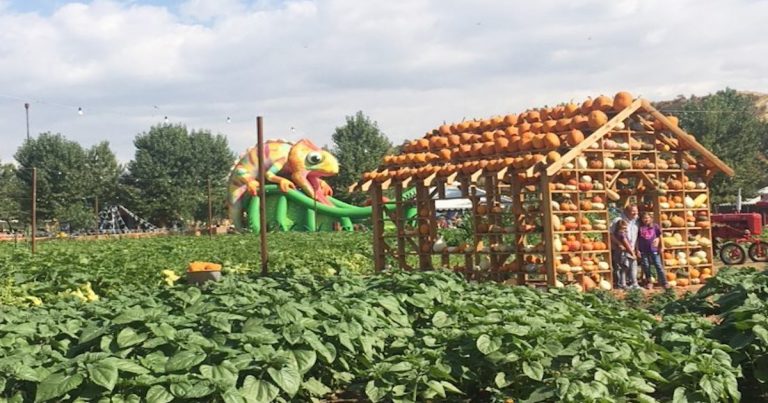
26	107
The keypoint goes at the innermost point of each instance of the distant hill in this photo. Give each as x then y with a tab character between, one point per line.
760	100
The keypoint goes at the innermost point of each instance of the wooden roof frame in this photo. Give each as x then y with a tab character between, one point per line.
689	140
639	104
646	106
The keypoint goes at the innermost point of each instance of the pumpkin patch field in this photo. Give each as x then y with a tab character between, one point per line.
115	321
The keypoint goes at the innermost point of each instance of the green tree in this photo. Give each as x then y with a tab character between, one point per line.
69	178
10	193
359	146
59	163
729	125
170	170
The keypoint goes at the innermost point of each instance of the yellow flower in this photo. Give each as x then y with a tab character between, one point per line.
89	294
170	277
34	300
79	295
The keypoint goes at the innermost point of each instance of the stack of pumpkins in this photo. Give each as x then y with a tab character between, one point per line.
514	141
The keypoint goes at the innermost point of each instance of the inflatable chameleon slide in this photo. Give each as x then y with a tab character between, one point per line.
297	197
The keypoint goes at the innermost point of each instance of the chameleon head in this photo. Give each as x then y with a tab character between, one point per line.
315	162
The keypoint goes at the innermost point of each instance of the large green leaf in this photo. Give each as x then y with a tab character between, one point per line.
128	337
57	385
184	360
103	373
158	394
287	378
258	391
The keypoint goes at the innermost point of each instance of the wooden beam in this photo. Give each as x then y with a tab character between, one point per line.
689	140
451	178
406	181
430	178
473	178
549	248
593	138
501	173
377	217
366	186
386	183
352	187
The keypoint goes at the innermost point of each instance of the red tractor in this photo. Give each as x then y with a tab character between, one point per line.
734	232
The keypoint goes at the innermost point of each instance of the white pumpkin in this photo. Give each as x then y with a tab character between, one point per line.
605	285
581	162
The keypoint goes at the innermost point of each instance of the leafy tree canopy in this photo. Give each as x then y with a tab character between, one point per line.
729	124
359	146
169	173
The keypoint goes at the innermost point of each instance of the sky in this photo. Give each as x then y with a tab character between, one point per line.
304	66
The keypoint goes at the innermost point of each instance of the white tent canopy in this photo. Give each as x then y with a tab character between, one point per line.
454	201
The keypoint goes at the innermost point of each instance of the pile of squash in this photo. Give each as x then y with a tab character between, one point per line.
516	141
691	277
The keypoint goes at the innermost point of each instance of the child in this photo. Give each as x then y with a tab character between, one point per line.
649	246
622	253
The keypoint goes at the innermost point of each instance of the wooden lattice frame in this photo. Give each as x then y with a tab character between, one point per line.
507	254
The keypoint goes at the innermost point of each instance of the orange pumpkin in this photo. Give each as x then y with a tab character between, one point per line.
602	103
587	283
597	119
693	273
510	120
682	282
553	156
574	137
621	100
551	140
671	276
526	141
586	106
570	110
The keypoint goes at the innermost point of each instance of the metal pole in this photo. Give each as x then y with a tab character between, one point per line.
34	208
26	107
262	197
210	210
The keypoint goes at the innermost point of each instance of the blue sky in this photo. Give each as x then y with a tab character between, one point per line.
305	65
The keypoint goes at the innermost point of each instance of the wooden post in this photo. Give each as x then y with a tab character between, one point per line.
34	208
262	197
210	211
549	248
378	227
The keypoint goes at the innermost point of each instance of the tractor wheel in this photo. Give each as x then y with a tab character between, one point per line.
758	252
732	253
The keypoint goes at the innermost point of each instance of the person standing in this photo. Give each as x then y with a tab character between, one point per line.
622	253
650	247
630	215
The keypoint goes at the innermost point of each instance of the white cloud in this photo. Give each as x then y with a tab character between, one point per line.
307	64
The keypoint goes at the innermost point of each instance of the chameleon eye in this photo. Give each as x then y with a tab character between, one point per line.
314	158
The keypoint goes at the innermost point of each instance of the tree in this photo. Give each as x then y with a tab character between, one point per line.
59	164
10	193
170	170
69	178
729	125
359	146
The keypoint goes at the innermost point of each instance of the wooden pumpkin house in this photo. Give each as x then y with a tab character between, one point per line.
569	170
